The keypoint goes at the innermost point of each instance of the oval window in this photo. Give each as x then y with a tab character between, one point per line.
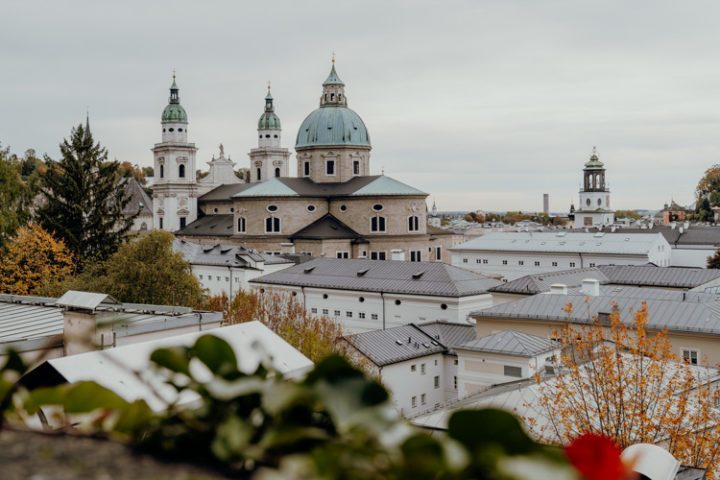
171	129
599	202
272	208
443	306
588	202
311	208
377	207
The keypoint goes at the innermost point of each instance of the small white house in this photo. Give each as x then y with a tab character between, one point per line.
365	295
415	362
510	255
503	357
228	268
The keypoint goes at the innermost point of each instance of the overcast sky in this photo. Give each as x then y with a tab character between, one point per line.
482	104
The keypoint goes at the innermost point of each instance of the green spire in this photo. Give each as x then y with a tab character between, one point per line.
174	112
333	78
268	120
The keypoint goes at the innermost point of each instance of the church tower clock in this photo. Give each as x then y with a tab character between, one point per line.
175	187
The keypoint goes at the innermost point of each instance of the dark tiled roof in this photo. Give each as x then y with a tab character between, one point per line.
413	278
327	227
510	342
214	225
631	275
139	200
224	192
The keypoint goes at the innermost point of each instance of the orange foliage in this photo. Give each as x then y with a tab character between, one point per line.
32	259
626	384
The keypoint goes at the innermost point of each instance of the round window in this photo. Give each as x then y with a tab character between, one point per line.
397	302
343	208
294	294
179	129
311	208
443	306
272	208
215	210
325	296
377	207
362	299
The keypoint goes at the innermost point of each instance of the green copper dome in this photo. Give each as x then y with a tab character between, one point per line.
332	125
174	112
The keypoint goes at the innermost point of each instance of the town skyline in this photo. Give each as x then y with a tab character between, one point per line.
474	126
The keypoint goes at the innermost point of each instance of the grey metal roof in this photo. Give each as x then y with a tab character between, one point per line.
511	342
140	201
667	309
393	345
84	300
326	227
21	319
412	278
224	255
449	334
694	235
557	242
224	192
210	225
631	275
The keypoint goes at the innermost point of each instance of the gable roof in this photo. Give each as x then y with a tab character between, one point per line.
393	345
373	185
412	278
140	201
511	342
215	225
559	242
326	227
631	275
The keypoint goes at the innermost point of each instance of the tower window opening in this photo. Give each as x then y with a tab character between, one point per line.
267	135
164	129
259	175
181	171
275	136
171	129
356	167
162	171
306	169
179	129
277	172
182	222
332	96
260	135
330	167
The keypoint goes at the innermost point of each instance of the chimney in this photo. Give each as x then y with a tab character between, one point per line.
558	289
79	331
673	225
546	203
590	287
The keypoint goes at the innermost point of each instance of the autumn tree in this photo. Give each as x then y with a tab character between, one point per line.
631	214
315	336
33	258
626	384
15	196
145	270
84	199
714	261
128	169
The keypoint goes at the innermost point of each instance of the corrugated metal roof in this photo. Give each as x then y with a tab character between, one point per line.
84	300
126	369
626	244
631	275
674	310
695	235
387	186
449	334
224	192
393	345
24	322
412	278
511	342
224	255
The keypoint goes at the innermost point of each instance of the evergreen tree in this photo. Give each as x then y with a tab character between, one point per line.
15	196
84	199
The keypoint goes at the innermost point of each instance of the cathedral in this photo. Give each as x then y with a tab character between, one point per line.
333	206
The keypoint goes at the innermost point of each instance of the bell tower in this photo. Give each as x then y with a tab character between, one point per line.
594	208
175	187
269	160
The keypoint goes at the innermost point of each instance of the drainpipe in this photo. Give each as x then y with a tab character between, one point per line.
581	260
302	290
382	296
231	286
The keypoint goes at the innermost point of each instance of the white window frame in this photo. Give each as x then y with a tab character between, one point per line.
241	222
689	357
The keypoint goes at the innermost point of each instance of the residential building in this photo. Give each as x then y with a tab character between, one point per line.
510	255
365	295
227	269
672	213
691	319
415	362
127	370
36	326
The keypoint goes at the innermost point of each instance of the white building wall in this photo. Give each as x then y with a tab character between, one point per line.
218	280
691	256
404	383
359	311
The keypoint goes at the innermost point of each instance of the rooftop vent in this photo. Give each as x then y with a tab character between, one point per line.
225	250
398	342
362	272
558	289
417	275
590	287
599	235
309	269
426	345
561	234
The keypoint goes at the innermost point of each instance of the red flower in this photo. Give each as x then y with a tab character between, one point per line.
596	457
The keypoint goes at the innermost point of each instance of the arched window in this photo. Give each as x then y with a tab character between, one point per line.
259	175
272	225
413	223
306	169
181	171
277	172
143	227
162	171
377	224
241	224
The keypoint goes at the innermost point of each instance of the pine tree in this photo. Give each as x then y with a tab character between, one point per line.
84	199
15	196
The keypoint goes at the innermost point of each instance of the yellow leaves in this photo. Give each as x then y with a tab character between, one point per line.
33	258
